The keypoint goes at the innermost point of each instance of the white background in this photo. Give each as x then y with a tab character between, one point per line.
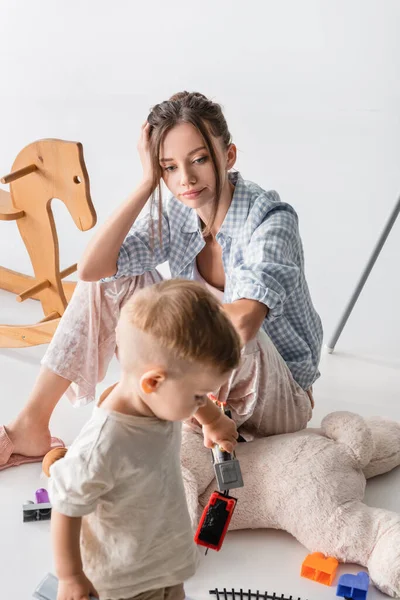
311	92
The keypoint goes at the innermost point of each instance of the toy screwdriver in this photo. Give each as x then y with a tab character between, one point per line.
218	513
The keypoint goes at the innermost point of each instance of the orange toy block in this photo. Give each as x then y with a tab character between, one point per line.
319	568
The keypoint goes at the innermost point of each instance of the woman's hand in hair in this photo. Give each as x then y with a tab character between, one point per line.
143	147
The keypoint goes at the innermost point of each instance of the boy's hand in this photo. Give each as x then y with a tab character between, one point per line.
222	431
76	587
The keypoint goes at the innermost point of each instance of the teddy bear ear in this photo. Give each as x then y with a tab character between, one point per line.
51	457
353	432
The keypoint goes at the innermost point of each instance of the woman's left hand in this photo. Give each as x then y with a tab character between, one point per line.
247	317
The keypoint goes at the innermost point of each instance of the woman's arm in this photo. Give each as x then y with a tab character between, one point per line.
269	273
100	257
247	316
73	584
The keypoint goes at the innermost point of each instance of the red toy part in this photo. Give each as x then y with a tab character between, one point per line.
319	568
215	521
214	399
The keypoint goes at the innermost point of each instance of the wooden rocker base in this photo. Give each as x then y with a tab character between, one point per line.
15	282
22	336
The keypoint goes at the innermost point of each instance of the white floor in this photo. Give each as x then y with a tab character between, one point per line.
265	560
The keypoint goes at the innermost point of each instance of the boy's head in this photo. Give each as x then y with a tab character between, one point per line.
176	345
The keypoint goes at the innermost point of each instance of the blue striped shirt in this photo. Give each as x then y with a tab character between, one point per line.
263	260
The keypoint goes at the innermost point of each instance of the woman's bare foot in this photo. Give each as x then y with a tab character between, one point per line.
29	437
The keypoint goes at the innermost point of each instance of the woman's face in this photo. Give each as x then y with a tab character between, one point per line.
187	169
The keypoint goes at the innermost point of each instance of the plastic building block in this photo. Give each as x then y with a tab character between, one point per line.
215	521
39	511
226	466
47	589
42	496
227	470
353	587
319	568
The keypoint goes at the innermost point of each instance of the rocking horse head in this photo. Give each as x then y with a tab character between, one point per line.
44	170
49	169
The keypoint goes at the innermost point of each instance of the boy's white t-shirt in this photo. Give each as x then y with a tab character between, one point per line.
123	476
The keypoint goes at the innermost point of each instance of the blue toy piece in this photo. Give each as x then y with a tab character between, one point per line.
353	587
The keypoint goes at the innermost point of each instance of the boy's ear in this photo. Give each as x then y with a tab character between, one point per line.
151	381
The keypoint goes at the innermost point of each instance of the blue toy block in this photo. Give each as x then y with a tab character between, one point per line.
353	587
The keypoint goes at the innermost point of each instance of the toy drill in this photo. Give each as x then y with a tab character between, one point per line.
218	513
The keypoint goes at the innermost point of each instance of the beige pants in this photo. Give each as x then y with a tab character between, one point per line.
261	393
172	593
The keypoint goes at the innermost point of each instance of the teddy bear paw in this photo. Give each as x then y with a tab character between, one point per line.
384	563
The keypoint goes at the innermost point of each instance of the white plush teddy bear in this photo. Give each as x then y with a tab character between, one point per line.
311	484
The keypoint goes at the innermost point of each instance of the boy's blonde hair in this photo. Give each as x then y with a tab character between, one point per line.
185	318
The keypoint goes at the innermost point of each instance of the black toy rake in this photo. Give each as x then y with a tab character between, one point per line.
242	595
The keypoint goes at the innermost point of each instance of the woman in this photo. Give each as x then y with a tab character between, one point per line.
239	240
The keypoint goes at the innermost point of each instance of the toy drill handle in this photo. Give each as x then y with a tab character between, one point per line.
220	455
226	467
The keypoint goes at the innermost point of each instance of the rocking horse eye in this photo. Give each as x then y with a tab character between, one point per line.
77	179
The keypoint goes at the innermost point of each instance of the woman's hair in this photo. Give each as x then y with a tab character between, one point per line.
207	117
184	318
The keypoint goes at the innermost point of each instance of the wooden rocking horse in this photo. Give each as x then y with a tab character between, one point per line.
42	171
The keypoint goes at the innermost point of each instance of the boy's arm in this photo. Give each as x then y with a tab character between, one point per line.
208	413
65	533
217	427
73	584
